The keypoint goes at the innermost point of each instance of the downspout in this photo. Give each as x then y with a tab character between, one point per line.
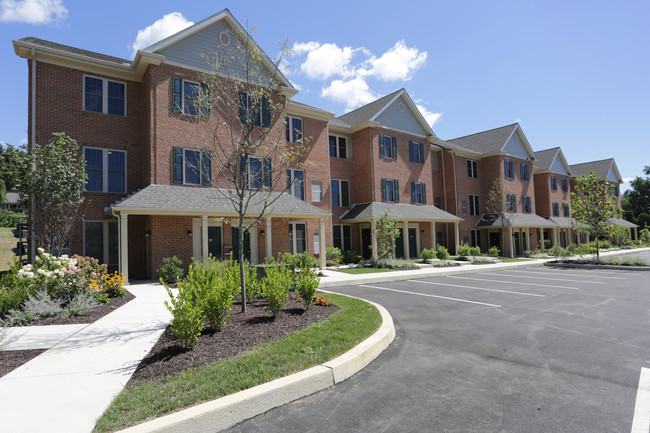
119	240
444	191
453	157
32	250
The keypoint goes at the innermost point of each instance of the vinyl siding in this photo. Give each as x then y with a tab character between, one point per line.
515	147
404	121
558	167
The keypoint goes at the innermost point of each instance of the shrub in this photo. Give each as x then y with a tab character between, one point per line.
557	251
463	250
494	251
442	253
333	256
11	298
387	263
306	285
212	289
322	300
11	219
253	284
480	260
276	286
37	306
188	320
427	254
475	251
299	261
350	257
644	236
170	270
80	304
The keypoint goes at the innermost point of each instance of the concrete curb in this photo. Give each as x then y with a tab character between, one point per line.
588	266
222	413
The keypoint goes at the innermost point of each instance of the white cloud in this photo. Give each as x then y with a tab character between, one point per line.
430	117
32	11
24	142
326	60
398	63
628	179
303	47
353	92
159	30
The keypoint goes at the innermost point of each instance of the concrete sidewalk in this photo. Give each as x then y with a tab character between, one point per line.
67	387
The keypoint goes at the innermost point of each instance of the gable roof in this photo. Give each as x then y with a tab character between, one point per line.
601	167
402	211
491	141
544	160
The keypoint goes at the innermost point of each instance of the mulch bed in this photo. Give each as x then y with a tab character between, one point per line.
12	359
240	332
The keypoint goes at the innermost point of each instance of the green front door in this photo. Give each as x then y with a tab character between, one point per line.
214	242
413	243
235	244
399	244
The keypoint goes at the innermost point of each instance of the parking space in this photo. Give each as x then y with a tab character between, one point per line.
535	349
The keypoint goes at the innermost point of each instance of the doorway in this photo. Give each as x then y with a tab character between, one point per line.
235	244
366	244
214	242
517	243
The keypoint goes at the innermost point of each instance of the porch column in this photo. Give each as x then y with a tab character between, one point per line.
456	229
556	234
528	239
269	244
205	254
373	239
510	243
433	236
541	235
636	233
405	238
321	244
124	246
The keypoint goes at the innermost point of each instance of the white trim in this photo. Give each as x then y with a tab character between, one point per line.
105	240
294	184
340	230
200	165
523	139
289	121
292	241
105	169
340	193
197	251
413	109
348	145
104	94
312	191
198	85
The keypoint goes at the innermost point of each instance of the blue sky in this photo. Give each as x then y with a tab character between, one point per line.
575	74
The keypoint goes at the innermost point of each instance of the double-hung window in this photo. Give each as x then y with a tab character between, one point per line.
526	204
390	190
524	171
342	237
340	193
565	210
254	110
188	97
472	168
511	203
293	129
101	241
192	166
387	146
463	207
553	183
416	152
473	204
296	183
316	191
475	238
297	238
509	169
258	172
435	164
106	96
418	193
565	185
338	147
106	170
556	210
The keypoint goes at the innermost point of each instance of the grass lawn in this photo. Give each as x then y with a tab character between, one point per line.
516	260
311	346
355	271
7	242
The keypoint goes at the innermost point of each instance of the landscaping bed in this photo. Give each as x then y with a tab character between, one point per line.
12	359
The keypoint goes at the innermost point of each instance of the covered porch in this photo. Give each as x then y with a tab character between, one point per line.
516	232
634	229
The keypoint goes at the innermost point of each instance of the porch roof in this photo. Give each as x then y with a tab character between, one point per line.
188	200
515	220
622	222
565	222
408	212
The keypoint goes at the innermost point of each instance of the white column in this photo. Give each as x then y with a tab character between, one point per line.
541	234
204	238
373	238
124	246
556	234
433	236
456	228
321	243
528	239
405	238
269	244
510	242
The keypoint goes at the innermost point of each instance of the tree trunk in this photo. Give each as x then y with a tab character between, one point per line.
597	250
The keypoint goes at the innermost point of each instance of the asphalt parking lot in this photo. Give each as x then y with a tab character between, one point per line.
535	349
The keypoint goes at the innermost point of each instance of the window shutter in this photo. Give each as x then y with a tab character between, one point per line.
289	181
267	172
424	193
206	173
412	192
383	190
411	158
205	100
421	160
394	148
345	193
396	188
266	112
286	121
177	99
178	164
381	146
243	107
514	203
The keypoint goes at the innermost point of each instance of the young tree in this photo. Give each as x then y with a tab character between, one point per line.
636	200
386	231
238	113
592	205
12	165
3	191
54	190
496	206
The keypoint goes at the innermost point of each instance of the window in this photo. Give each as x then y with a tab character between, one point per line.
101	241
316	242
556	210
526	204
509	169
437	202
472	168
525	174
615	190
473	204
475	238
435	164
342	237
192	166
390	190
294	129
463	207
340	193
104	96
106	170
338	147
297	238
387	146
511	203
565	210
416	152
254	110
418	193
185	94
296	183
316	191
565	185
553	183
258	171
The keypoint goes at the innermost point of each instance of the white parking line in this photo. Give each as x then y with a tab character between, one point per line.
431	296
641	420
513	282
569	275
542	278
478	288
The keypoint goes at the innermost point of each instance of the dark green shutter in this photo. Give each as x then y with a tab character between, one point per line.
383	190
381	145
396	187
205	100
266	112
243	107
411	158
421	156
424	193
206	172
177	99
394	143
267	172
178	164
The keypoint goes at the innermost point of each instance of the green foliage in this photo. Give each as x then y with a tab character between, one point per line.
386	232
387	263
299	261
350	257
13	166
636	200
493	251
620	235
306	285
10	219
170	270
464	251
427	254
188	320
333	256
558	251
275	287
475	251
212	289
3	191
442	253
644	235
626	261
480	260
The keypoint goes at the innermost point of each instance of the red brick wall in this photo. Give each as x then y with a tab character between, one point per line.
545	196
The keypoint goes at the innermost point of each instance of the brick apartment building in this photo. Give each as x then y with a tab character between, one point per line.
147	199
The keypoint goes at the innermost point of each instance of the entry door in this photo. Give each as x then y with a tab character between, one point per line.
517	244
214	242
524	241
399	244
413	242
495	240
235	244
366	243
